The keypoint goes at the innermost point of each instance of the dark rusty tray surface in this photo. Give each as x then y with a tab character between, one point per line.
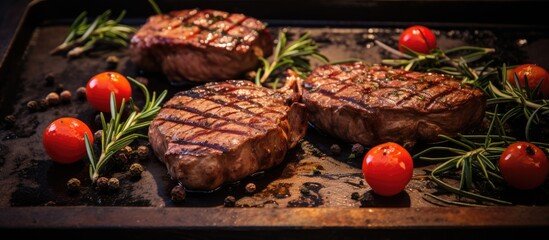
33	194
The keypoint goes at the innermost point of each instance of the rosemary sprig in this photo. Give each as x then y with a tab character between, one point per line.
473	155
519	101
294	55
155	7
117	133
84	36
443	61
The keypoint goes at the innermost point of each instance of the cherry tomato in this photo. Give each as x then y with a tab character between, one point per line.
387	168
534	74
417	38
100	86
63	140
523	165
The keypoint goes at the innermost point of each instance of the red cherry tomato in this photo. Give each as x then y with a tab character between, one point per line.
387	168
534	74
523	166
63	140
100	86
417	38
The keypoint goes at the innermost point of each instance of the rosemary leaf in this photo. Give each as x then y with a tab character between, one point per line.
118	133
84	36
295	55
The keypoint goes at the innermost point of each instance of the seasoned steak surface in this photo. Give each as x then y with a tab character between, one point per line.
225	131
200	45
375	104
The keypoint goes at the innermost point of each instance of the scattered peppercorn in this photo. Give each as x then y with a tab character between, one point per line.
60	87
102	183
43	105
250	187
73	184
97	135
335	149
112	61
355	195
142	152
49	79
136	169
357	149
52	98
360	182
121	158
178	193
126	149
32	105
229	201
10	120
65	96
113	184
81	93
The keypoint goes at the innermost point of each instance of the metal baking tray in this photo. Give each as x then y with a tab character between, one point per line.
34	201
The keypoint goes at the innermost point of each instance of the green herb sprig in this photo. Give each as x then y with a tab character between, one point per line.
155	7
294	55
454	62
473	155
520	101
84	36
118	133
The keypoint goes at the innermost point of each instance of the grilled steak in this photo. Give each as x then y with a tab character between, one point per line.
200	45
224	131
375	104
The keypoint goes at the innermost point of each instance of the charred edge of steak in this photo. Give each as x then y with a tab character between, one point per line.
371	105
200	45
222	132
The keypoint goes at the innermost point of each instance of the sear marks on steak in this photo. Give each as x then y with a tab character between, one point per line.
376	104
200	45
224	131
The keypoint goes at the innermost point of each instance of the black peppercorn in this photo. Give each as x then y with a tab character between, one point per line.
97	135
357	149
335	149
102	183
65	96
113	184
10	120
250	187
112	62
81	93
52	98
136	169
142	152
32	105
178	193
60	87
229	201
49	79
43	105
73	184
